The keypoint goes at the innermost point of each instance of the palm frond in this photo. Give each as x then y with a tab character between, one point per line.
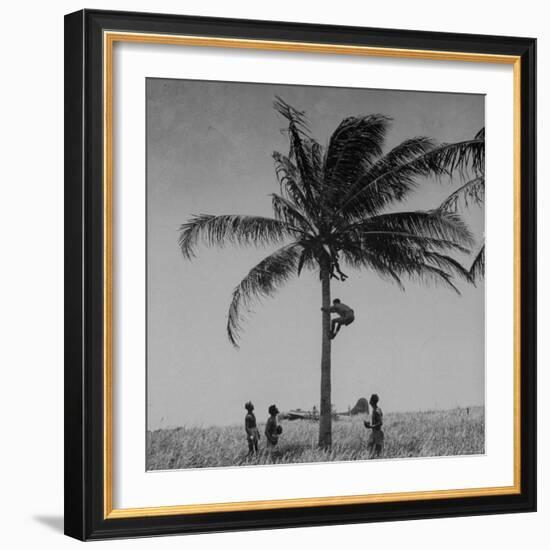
262	280
447	227
433	275
472	192
292	115
356	258
396	184
477	269
396	262
288	212
370	194
409	244
449	265
307	259
291	186
303	148
466	157
289	179
404	239
226	229
406	151
353	148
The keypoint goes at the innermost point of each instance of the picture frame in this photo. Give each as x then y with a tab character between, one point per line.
90	169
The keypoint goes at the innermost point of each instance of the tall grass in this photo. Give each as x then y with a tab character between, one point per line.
418	434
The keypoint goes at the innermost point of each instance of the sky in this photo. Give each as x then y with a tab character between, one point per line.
209	147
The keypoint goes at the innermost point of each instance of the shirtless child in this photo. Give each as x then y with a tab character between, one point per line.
272	431
252	433
375	443
346	316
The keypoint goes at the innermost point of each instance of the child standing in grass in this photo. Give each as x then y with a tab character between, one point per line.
272	430
252	433
375	443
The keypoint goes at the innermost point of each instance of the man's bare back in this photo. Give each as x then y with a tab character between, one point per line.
342	309
346	316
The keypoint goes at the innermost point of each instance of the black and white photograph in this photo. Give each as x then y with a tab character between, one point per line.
315	274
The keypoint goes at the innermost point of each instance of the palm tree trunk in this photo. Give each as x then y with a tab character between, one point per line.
325	417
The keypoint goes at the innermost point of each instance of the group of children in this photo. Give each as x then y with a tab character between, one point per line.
273	429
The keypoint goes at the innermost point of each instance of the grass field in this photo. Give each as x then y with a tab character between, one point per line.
431	433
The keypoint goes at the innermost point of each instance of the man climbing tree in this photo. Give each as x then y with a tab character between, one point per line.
346	316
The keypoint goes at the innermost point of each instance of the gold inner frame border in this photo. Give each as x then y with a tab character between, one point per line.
109	40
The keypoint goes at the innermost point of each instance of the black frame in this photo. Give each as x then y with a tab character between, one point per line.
84	269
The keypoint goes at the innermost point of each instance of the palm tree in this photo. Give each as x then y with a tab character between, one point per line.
332	213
